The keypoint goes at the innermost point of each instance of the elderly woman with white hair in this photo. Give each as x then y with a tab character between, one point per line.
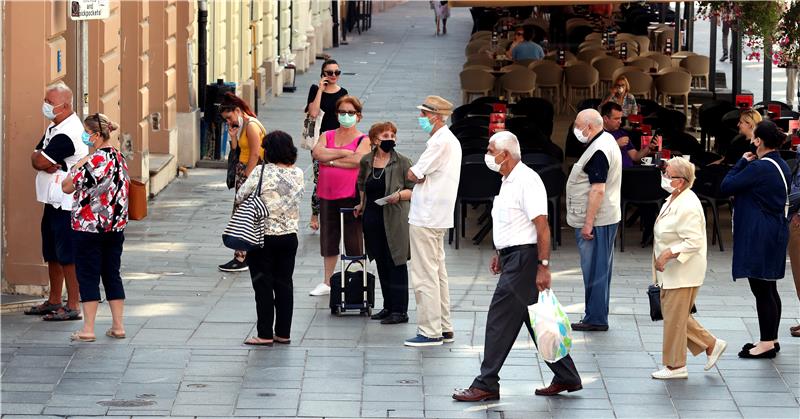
679	268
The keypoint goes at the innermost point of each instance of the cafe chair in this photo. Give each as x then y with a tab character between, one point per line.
555	181
594	43
709	117
470	109
673	69
605	67
474	145
518	82
475	82
706	187
624	70
644	63
593	36
586	56
641	84
527	63
698	67
662	60
475	121
479	59
539	161
644	43
488	100
580	78
537	111
516	66
640	186
480	35
475	46
481	67
678	56
477	185
569	58
549	77
675	84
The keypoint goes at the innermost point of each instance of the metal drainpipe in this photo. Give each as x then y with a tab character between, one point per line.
335	18
202	48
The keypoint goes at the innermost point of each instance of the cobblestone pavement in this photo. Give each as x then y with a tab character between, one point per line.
186	321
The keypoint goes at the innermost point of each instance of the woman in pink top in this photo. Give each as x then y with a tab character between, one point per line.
339	152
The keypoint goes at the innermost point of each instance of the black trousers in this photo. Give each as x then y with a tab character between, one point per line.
98	258
271	270
768	306
516	290
393	278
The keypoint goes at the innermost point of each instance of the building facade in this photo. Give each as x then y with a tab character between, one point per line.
140	67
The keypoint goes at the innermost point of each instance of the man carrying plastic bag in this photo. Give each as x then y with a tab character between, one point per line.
551	327
522	236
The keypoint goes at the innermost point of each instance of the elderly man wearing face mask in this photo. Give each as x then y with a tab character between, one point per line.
433	199
60	148
593	210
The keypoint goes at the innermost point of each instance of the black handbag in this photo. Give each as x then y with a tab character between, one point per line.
654	295
233	159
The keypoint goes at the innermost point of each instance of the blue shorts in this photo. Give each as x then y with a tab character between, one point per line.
57	236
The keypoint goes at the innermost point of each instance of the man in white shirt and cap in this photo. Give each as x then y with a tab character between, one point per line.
433	199
60	148
593	210
522	238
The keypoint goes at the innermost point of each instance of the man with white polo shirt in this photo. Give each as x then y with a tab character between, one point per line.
436	174
521	235
60	148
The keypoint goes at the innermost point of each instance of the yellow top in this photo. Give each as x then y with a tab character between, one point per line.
244	145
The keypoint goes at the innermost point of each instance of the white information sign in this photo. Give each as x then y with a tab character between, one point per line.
89	9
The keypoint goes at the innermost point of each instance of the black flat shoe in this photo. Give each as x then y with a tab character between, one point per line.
395	318
380	315
764	355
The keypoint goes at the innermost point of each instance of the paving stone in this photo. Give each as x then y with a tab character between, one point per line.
22	409
200	410
329	408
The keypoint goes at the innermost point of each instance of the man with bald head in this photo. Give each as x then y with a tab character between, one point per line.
60	148
593	210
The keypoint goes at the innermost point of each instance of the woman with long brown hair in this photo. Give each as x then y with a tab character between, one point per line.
245	132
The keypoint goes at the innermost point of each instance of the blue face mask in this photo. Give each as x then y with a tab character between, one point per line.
87	139
425	124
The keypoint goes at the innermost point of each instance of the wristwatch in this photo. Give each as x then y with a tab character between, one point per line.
544	262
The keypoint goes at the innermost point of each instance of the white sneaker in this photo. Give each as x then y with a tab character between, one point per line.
719	348
321	289
668	374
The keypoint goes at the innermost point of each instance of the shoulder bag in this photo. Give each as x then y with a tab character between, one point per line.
245	230
311	127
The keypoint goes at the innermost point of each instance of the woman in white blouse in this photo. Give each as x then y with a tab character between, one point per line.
272	266
679	256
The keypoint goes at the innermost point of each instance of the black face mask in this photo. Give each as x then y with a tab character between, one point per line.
387	145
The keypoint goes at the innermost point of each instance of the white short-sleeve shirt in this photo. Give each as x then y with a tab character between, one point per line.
522	198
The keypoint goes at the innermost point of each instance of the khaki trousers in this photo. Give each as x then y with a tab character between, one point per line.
429	279
794	255
681	330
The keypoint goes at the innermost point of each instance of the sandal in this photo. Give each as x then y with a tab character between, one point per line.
257	341
44	308
76	336
116	335
63	314
282	341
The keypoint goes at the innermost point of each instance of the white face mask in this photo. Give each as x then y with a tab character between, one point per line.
666	184
579	135
241	122
491	164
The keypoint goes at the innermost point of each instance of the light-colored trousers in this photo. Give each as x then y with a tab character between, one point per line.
429	279
681	330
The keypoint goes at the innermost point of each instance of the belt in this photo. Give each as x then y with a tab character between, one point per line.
510	249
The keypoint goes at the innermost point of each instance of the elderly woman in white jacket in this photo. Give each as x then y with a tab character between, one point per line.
679	256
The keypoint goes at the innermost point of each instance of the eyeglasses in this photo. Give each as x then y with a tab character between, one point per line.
330	73
666	176
518	34
351	113
620	86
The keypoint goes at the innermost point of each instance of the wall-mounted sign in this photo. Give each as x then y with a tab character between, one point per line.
89	9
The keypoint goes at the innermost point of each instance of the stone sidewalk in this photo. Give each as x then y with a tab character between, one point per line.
186	321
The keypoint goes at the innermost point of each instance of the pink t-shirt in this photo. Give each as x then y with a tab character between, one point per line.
337	182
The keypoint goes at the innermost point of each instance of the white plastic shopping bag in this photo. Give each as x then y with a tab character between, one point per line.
550	327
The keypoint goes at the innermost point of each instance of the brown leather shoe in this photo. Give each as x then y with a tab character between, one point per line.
474	394
554	389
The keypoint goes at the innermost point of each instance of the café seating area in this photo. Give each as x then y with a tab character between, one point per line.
537	100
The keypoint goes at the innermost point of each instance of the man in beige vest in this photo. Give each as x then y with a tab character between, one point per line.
593	210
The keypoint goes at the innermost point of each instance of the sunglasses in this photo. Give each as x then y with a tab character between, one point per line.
620	86
351	113
336	73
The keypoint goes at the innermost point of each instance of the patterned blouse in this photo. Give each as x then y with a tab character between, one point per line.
101	193
281	190
628	104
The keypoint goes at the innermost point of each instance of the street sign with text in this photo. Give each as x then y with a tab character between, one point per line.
89	9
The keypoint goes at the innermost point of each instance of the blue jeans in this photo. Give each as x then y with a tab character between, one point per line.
597	258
